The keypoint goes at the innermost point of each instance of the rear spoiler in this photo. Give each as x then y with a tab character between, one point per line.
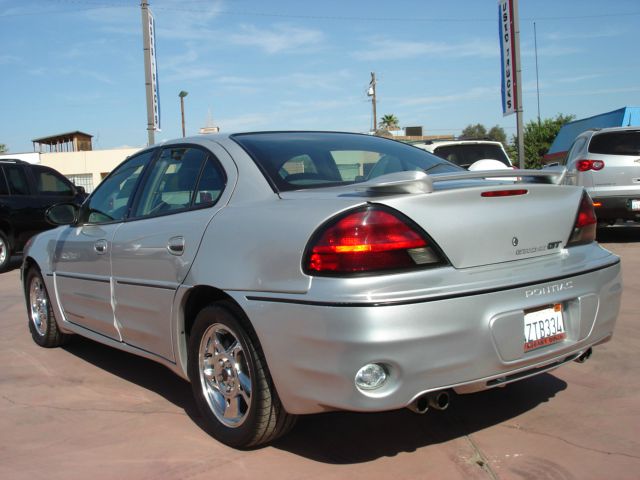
421	182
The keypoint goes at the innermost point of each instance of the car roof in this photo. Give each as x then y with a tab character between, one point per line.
595	131
13	161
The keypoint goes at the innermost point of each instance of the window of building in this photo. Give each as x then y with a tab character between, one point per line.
84	180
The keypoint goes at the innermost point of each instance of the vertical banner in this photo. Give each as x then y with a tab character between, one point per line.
508	57
153	67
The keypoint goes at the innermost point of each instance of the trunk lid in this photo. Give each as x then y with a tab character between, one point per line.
472	229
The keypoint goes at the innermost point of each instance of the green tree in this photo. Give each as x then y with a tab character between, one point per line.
474	132
389	122
479	132
497	134
3	148
538	137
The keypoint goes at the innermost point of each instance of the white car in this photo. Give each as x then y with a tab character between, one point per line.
468	153
606	162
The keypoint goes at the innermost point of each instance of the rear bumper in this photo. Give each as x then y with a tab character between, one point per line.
618	207
470	342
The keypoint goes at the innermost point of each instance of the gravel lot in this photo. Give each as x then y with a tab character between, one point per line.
89	412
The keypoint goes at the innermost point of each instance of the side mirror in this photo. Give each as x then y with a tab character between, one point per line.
62	214
80	190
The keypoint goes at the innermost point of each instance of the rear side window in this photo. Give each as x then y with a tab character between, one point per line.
17	180
464	155
616	143
303	160
171	183
211	184
50	183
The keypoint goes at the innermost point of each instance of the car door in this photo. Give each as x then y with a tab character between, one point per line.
153	251
82	260
18	205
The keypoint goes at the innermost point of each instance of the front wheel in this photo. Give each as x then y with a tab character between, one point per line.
42	323
230	381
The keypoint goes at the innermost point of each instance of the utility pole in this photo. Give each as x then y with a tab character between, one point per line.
146	47
516	45
182	94
372	93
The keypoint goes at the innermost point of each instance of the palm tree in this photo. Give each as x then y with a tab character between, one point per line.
389	122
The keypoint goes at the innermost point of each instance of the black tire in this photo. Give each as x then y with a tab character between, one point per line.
222	380
5	252
42	322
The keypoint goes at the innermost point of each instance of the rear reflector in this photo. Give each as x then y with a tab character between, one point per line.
366	241
503	193
584	228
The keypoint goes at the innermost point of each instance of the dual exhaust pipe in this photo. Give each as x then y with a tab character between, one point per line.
436	400
440	400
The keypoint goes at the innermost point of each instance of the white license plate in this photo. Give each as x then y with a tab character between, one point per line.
635	204
543	327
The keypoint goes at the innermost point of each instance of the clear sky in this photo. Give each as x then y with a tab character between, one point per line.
283	64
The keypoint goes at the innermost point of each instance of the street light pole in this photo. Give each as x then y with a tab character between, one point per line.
182	94
372	94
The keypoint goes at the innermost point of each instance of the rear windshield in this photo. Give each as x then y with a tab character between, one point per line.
465	154
616	143
301	160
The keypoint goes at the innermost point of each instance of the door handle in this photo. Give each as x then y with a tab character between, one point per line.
100	246
175	246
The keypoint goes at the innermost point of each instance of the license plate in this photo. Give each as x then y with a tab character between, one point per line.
635	204
543	327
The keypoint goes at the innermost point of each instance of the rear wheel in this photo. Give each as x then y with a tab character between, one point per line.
230	380
42	323
5	252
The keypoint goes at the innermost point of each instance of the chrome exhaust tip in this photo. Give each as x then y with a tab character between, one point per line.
439	400
436	400
419	405
584	356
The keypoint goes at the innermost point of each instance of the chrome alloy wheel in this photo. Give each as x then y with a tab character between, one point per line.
3	251
39	305
225	378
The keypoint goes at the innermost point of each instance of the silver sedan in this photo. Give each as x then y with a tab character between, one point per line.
289	273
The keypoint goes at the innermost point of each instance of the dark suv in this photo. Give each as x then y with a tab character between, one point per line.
26	192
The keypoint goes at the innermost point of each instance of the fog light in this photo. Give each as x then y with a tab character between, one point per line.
371	376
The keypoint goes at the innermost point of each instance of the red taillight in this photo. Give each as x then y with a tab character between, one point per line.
584	228
586	165
368	240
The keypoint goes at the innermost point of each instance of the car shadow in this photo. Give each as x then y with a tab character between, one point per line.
344	437
619	234
347	438
138	370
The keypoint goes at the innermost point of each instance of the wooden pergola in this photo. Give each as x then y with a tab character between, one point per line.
64	142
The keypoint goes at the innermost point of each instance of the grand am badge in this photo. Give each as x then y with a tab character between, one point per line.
539	248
